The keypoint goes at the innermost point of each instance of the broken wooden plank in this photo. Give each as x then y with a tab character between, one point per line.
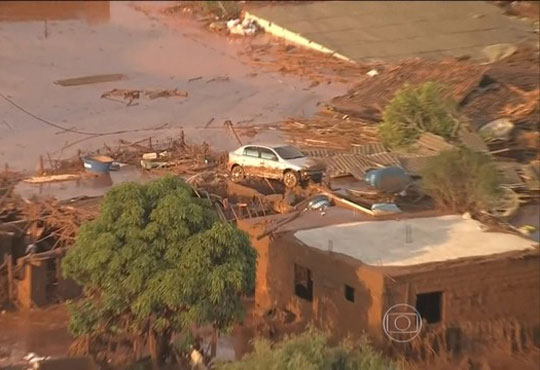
85	80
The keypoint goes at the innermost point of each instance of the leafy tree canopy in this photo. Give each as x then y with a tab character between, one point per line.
310	351
461	180
158	259
417	109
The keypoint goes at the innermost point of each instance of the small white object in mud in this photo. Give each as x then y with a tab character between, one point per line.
372	73
246	27
34	360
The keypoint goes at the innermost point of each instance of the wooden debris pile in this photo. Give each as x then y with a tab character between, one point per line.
60	221
368	98
131	96
171	154
331	130
9	200
318	67
52	166
507	89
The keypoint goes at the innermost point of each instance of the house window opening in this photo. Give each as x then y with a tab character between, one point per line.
429	306
349	293
303	285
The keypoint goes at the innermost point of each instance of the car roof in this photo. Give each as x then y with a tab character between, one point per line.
271	146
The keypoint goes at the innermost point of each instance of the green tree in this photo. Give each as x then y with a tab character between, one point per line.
222	9
417	109
310	351
156	261
461	180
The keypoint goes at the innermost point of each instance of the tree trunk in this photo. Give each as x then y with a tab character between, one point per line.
213	348
158	347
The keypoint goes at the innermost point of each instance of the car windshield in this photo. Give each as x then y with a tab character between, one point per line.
288	152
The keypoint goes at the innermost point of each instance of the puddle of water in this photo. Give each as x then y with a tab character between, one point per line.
153	55
89	185
43	332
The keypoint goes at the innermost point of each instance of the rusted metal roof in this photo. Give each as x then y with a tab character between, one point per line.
357	165
369	149
346	164
384	159
320	153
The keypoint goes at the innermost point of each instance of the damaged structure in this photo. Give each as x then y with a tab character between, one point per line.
344	271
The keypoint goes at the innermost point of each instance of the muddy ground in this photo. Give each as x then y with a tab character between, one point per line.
41	331
43	43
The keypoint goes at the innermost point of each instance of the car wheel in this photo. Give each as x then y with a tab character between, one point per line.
290	179
237	173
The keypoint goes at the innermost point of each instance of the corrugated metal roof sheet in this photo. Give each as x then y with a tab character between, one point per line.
345	164
369	149
385	159
320	153
357	165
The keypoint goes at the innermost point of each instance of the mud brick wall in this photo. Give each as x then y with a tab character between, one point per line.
492	288
328	310
486	303
479	295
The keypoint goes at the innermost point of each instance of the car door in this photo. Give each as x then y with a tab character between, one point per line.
250	159
269	162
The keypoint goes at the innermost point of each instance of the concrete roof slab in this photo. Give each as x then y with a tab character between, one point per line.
412	241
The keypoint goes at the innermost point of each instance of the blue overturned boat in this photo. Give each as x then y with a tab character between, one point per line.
97	164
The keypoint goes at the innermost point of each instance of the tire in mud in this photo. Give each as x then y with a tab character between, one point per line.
290	179
238	173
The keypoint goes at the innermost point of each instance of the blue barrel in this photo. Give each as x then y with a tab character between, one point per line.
97	164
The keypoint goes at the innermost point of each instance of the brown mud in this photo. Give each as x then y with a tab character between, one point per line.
152	53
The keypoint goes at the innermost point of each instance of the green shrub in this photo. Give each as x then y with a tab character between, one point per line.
222	9
417	109
461	180
310	351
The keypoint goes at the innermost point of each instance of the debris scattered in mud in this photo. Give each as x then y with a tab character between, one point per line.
132	96
51	178
320	68
245	27
85	80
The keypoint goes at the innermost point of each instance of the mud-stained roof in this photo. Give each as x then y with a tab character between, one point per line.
412	241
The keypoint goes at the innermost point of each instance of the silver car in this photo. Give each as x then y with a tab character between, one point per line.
282	162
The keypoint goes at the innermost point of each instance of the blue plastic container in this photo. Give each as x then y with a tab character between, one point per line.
97	164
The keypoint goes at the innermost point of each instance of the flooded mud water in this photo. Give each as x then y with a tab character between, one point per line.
41	42
43	332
